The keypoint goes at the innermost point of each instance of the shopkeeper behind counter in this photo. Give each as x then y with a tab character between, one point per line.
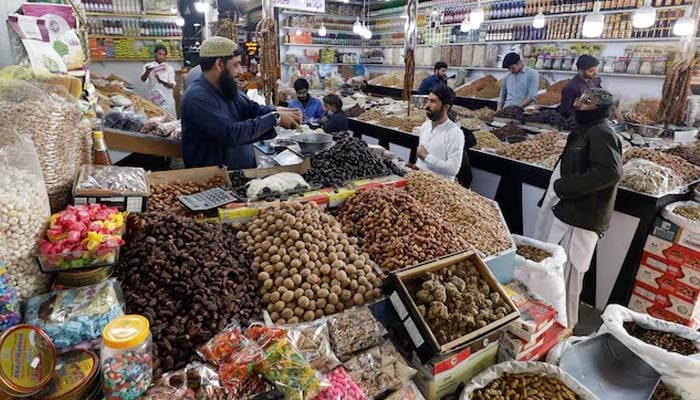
585	79
219	123
310	107
520	85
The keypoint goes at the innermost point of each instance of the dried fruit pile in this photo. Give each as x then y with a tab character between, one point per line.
512	112
533	253
456	301
190	280
306	265
396	230
164	195
475	86
690	212
686	171
665	340
509	130
525	386
475	219
487	140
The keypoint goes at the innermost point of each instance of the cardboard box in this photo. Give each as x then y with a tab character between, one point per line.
444	375
656	246
551	338
518	348
423	341
669	231
671	305
535	314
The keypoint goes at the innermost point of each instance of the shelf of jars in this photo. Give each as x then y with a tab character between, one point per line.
131	15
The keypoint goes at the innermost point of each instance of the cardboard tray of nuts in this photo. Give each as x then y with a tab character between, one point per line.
449	302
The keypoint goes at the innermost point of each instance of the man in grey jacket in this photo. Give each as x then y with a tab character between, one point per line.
578	204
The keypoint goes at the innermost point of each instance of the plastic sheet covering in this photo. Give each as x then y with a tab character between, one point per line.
647	177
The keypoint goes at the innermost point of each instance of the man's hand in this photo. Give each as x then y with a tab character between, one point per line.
499	107
290	118
164	83
422	152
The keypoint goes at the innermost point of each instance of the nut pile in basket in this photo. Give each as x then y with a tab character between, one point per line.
525	386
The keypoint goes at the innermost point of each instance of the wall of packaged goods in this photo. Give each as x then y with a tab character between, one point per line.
7	7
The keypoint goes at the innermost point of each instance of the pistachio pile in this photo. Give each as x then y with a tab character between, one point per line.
525	386
665	340
689	212
475	219
487	140
396	230
532	253
307	267
456	300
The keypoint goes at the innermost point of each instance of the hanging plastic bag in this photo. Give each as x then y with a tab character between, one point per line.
677	370
24	211
544	278
497	371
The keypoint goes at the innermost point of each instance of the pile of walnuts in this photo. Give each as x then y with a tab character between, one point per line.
456	301
306	265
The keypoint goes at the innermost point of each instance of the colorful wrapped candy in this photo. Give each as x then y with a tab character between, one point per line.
82	236
76	315
290	372
9	303
342	387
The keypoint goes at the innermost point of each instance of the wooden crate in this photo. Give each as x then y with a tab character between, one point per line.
425	344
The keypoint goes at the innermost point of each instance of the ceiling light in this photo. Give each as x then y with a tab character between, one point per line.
434	11
538	21
645	16
179	21
298	32
357	26
464	26
684	26
322	30
594	23
476	16
201	6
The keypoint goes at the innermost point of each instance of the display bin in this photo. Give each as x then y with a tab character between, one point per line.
77	260
423	341
502	264
122	201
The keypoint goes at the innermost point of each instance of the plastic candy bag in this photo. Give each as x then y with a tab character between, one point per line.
379	369
354	330
290	372
343	387
76	315
196	381
313	342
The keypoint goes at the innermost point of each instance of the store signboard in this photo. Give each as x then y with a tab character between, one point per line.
303	5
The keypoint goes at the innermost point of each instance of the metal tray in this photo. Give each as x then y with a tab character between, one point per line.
610	370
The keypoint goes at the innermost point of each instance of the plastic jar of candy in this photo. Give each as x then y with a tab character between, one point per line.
126	357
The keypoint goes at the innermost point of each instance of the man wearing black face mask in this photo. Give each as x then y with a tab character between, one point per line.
441	141
578	204
219	123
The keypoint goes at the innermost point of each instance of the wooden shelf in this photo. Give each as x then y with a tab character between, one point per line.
136	37
106	14
544	41
135	59
135	142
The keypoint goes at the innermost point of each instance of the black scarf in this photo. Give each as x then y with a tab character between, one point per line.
590	117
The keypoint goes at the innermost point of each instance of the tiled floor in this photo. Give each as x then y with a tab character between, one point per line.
588	320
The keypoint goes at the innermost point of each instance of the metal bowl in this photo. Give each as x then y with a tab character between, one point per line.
313	142
647	130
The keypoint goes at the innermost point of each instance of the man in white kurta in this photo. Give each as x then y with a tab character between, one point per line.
441	142
160	79
579	201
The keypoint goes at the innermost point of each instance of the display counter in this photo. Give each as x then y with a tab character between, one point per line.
518	187
135	142
386	137
469	102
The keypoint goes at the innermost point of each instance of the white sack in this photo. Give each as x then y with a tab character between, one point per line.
545	278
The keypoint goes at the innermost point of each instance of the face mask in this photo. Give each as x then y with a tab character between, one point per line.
588	116
227	84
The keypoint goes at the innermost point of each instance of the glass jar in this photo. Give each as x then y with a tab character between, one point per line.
558	62
568	63
621	65
126	357
647	66
633	66
660	66
540	62
609	66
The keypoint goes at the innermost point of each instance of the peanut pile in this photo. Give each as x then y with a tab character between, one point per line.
530	151
456	300
396	230
685	170
525	386
665	340
532	253
689	212
474	218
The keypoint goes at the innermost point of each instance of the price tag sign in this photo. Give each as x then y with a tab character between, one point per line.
252	48
303	5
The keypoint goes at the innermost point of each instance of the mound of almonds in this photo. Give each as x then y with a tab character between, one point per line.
528	151
685	170
665	340
307	267
396	230
164	195
532	253
525	386
689	212
474	218
190	280
456	300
